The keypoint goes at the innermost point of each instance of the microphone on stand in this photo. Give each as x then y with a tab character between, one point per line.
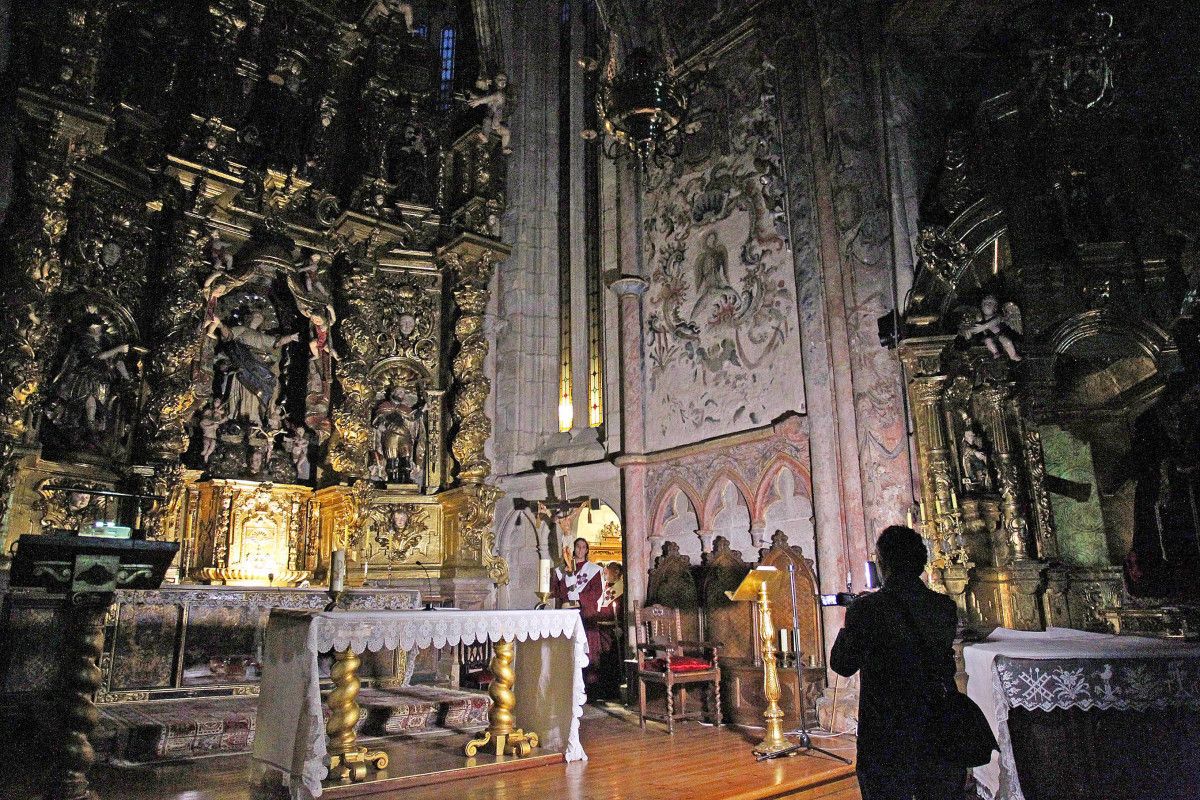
429	585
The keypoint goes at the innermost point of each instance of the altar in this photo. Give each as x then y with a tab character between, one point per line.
547	655
1063	669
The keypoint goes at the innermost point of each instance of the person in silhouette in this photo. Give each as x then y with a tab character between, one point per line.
894	637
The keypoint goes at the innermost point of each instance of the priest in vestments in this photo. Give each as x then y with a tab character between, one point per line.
580	584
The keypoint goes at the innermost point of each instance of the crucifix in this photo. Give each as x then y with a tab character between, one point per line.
555	508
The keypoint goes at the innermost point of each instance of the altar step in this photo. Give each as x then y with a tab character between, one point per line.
171	730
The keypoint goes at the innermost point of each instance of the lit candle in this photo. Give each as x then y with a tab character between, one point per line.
366	564
544	565
954	501
908	519
337	571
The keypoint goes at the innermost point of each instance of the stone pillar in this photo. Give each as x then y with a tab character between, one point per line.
706	542
639	547
630	288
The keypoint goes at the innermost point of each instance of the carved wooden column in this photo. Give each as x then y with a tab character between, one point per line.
469	261
54	142
170	371
349	447
922	362
1009	543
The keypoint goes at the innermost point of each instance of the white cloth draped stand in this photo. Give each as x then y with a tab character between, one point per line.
551	652
1065	668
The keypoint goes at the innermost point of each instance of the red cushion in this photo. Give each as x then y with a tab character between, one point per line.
680	664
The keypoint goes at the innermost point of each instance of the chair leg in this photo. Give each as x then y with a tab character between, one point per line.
683	700
642	702
717	698
670	709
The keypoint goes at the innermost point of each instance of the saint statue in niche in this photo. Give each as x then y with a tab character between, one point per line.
396	425
250	358
976	472
85	404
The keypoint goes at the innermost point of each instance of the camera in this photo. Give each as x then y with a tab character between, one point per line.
840	599
871	574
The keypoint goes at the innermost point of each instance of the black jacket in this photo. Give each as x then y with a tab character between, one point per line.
898	669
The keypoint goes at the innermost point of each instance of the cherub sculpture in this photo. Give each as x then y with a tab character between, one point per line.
495	100
995	326
210	422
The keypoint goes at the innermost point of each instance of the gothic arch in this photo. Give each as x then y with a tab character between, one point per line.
714	491
766	484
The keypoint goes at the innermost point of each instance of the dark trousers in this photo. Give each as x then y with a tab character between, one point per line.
936	782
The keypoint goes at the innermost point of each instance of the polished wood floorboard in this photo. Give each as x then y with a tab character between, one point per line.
624	763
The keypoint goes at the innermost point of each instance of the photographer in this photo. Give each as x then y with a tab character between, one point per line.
901	639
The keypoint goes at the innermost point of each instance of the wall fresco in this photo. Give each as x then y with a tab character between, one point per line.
722	346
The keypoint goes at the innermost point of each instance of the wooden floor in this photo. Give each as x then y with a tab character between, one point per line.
624	763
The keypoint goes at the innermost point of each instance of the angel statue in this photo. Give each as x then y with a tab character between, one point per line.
995	326
316	303
495	101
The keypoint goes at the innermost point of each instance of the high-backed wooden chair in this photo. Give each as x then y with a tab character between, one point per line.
474	664
663	657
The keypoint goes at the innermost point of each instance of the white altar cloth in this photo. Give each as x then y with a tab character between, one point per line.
290	738
1066	668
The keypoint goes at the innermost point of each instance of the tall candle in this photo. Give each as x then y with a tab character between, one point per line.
544	565
337	571
953	500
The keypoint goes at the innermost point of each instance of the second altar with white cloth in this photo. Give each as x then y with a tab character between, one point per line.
537	694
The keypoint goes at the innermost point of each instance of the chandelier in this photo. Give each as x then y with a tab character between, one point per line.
642	106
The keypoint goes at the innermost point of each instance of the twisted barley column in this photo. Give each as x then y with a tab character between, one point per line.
501	718
81	678
343	703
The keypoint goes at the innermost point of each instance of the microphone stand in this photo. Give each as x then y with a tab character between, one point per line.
805	744
429	585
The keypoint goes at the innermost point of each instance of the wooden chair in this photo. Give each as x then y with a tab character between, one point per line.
474	664
663	657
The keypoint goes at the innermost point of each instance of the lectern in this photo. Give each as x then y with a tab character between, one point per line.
88	569
757	586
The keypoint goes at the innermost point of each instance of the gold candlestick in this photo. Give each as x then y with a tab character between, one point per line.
757	586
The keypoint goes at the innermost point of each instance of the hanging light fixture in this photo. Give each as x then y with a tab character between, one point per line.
642	105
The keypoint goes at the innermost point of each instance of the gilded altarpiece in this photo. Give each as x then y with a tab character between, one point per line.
251	264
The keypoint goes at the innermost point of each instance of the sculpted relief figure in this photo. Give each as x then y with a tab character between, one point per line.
995	326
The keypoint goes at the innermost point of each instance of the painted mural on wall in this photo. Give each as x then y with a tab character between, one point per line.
722	347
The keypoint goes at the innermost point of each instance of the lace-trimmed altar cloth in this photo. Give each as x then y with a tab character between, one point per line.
551	652
1064	668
